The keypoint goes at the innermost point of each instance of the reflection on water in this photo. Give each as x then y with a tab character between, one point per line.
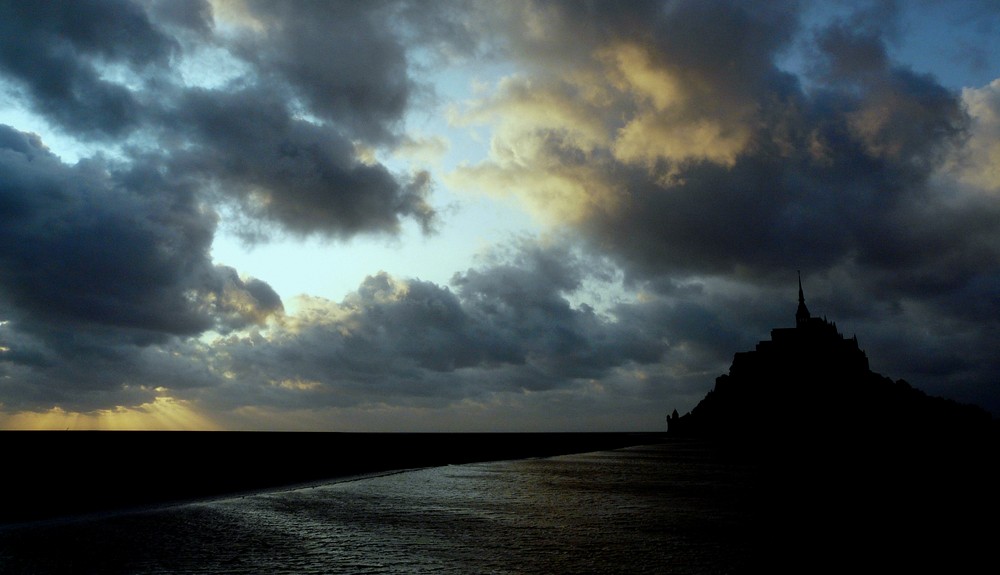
663	508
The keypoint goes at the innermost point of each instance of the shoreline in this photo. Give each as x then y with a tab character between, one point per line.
60	474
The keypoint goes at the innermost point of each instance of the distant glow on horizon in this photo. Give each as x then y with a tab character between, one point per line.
162	414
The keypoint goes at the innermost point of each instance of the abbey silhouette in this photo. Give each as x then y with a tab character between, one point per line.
851	468
809	382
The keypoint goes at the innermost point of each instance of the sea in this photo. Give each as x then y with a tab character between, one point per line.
672	507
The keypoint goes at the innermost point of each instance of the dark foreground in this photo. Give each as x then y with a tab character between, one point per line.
56	474
663	508
677	506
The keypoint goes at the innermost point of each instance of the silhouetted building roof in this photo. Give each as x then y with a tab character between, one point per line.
812	381
813	344
836	444
802	313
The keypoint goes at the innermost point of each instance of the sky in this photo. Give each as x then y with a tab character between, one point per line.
483	216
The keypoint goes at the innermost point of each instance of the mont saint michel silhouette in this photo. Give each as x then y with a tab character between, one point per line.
852	467
810	383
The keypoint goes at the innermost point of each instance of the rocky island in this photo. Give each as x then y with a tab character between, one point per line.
809	383
854	467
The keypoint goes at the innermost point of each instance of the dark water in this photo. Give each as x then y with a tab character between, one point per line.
671	508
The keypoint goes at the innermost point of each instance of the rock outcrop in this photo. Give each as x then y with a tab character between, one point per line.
808	384
854	467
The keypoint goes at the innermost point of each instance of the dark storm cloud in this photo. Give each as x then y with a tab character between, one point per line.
341	58
108	69
83	249
301	175
104	259
340	64
524	301
106	263
782	175
702	158
100	260
108	245
54	51
343	65
192	15
840	173
91	370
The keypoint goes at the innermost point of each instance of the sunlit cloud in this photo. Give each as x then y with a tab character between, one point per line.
978	162
428	150
666	125
236	13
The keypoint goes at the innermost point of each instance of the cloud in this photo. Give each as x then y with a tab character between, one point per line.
977	164
506	329
429	150
344	61
108	277
752	172
714	158
304	89
505	333
242	302
56	53
687	157
192	16
85	248
103	260
304	176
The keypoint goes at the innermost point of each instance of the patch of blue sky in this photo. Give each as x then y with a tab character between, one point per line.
958	44
13	114
468	224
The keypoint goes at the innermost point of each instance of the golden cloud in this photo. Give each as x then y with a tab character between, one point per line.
558	141
666	124
650	138
979	163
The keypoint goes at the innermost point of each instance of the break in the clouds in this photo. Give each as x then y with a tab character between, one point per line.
683	159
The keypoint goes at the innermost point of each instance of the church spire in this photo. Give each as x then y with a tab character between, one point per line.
802	313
